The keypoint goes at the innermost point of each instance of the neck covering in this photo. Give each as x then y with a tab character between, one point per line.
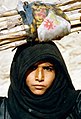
57	102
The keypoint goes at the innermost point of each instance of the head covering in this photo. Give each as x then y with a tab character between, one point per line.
57	103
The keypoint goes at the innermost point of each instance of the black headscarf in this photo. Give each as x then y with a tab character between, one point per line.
57	102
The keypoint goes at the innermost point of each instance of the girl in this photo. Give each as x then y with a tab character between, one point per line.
40	87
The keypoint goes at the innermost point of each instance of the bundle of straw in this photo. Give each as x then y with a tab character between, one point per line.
13	32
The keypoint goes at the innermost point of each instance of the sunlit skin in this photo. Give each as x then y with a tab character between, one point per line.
40	77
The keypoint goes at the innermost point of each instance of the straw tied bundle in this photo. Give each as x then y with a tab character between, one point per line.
39	21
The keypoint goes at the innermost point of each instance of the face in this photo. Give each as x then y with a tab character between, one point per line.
40	77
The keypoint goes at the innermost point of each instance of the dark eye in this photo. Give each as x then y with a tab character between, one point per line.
48	68
33	68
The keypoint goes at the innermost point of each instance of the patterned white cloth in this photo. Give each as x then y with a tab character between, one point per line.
53	27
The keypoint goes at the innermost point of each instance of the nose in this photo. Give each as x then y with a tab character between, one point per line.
39	74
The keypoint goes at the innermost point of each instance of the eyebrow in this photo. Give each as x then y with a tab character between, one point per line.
48	66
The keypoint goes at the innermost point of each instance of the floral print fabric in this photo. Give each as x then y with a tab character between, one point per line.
47	21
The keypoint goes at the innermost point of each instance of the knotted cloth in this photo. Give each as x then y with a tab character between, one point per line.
46	21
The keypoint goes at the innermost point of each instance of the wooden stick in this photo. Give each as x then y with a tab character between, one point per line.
13	37
73	12
71	7
76	29
10	17
75	16
15	29
12	45
9	13
9	24
63	3
75	22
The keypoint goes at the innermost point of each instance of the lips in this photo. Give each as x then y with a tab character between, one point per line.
39	87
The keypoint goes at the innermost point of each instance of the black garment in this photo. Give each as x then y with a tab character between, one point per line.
57	103
75	112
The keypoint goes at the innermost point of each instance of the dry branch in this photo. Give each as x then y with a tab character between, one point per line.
75	22
9	13
67	2
10	17
12	44
14	29
71	7
76	29
12	37
74	17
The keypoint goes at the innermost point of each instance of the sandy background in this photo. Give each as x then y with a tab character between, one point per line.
70	47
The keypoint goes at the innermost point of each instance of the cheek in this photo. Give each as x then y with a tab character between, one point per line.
30	78
49	79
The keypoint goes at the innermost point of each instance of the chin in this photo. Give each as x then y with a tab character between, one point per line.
38	93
